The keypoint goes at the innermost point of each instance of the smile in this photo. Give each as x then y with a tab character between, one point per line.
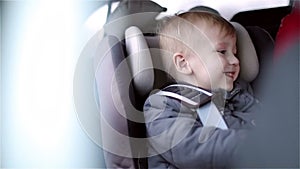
230	74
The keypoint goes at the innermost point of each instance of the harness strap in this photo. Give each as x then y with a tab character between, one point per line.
210	116
199	99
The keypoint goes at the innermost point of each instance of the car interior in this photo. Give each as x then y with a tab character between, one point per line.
128	68
82	86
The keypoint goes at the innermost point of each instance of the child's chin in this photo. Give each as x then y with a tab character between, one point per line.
228	88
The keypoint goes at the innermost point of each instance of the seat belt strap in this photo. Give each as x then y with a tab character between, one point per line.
210	116
205	108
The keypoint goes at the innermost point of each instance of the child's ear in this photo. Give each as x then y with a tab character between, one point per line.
181	63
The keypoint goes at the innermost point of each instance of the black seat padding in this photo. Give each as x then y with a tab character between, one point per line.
268	19
264	46
115	93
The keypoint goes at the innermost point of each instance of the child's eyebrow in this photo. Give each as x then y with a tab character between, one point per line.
221	45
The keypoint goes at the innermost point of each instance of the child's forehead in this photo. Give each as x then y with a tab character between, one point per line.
213	37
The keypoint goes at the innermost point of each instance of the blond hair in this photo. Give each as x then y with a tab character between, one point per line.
178	32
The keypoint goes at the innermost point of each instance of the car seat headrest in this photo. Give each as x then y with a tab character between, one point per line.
246	53
139	60
128	13
141	63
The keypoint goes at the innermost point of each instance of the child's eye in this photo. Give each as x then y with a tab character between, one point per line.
222	51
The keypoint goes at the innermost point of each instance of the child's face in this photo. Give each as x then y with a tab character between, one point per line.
215	65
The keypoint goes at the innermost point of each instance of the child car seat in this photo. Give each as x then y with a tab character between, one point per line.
264	46
247	55
126	72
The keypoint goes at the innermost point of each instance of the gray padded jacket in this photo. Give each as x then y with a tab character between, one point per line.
177	138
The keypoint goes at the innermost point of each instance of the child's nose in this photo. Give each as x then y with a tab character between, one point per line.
233	60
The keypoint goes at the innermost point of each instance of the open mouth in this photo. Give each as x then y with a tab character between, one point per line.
230	74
